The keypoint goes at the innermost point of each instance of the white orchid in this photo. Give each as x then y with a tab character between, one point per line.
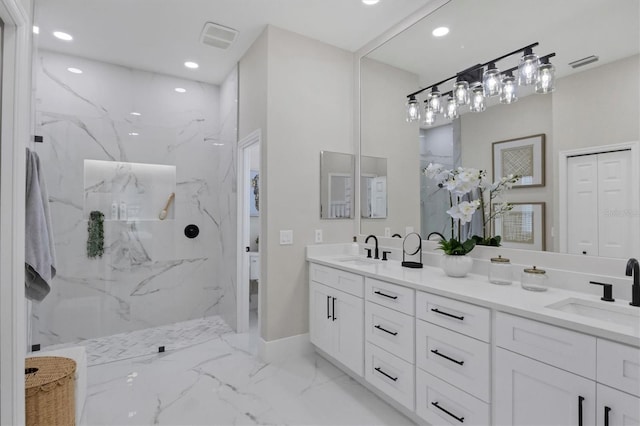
436	171
464	210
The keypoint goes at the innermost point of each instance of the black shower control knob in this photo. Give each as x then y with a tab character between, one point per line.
191	231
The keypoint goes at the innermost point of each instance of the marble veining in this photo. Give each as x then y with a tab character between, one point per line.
150	274
220	382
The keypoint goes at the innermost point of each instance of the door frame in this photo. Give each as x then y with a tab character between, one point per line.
243	230
16	121
564	156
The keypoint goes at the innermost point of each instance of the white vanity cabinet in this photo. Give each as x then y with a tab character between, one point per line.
336	316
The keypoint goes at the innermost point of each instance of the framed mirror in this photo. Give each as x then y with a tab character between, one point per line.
595	103
337	171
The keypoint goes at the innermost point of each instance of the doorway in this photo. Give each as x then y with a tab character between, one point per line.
249	235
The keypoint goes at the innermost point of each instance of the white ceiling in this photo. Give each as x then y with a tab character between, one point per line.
160	35
482	30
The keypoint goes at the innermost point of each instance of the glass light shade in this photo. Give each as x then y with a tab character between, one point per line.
546	78
509	93
435	100
491	81
429	115
413	110
461	92
477	99
528	69
451	110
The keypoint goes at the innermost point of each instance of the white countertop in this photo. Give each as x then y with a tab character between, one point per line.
478	290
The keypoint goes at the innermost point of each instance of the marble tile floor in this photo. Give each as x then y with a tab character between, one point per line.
220	382
139	343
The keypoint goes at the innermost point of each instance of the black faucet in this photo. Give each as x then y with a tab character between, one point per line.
396	236
376	248
633	269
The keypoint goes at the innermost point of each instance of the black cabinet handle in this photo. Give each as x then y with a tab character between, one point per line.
328	300
446	314
385	295
435	351
385	374
580	400
606	415
333	309
460	419
393	333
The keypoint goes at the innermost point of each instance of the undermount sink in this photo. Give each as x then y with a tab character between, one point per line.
603	311
357	261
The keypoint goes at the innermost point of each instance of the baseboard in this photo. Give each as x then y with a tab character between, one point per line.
280	349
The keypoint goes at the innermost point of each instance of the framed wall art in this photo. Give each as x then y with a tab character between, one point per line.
523	227
521	156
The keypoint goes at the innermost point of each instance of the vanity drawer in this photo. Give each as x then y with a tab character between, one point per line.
619	366
341	280
566	349
390	374
457	359
390	330
439	403
392	296
462	317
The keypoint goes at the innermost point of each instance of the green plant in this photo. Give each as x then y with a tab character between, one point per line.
489	241
453	247
95	241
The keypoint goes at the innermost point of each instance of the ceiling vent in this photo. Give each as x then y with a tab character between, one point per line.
584	61
218	36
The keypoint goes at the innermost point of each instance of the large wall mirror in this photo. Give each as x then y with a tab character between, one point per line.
595	105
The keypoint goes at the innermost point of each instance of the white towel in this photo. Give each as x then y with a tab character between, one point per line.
40	257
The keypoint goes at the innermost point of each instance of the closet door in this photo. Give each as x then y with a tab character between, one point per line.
582	202
615	219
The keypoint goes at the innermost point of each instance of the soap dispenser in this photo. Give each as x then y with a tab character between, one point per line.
354	248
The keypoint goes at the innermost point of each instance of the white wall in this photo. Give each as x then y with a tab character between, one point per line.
150	273
308	87
385	133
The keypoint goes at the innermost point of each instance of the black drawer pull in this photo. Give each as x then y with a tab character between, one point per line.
328	301
435	351
333	309
460	419
385	374
385	295
446	314
606	415
580	400
393	333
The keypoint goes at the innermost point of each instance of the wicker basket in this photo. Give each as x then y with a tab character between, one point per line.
50	391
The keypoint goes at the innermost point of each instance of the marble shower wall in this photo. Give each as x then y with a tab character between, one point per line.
150	273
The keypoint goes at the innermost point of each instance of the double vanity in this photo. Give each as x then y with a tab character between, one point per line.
463	351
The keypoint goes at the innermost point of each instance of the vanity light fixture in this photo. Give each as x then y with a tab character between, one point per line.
36	29
74	70
62	36
473	85
370	2
413	110
180	90
137	114
440	32
192	65
133	134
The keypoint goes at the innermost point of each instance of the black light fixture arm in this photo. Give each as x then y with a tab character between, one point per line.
527	48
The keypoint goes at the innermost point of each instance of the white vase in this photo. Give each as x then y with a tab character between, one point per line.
456	266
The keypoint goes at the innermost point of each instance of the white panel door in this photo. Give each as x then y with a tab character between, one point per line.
528	392
348	333
320	319
615	221
379	197
582	199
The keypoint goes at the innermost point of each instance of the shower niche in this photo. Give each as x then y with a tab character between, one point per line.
129	191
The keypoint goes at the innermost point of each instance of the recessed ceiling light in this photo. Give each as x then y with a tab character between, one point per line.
137	114
133	134
370	2
74	70
36	29
180	90
62	36
440	31
191	65
218	144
